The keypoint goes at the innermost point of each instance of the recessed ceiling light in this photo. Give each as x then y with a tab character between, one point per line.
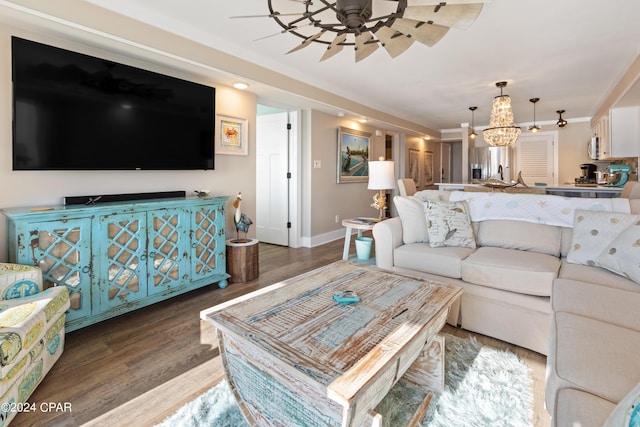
240	85
363	120
340	114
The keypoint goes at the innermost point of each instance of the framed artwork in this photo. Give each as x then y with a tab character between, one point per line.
414	166
232	136
428	168
353	155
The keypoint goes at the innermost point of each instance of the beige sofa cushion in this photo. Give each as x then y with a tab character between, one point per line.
430	195
526	236
614	302
528	273
597	357
585	273
577	408
445	261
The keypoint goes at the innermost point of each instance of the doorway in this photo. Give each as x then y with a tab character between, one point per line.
451	161
276	176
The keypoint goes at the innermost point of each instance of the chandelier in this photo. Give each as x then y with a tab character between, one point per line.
501	131
366	25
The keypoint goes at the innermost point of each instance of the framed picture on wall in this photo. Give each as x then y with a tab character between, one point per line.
354	147
414	166
232	136
428	168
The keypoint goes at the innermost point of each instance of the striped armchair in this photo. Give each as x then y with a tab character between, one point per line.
31	332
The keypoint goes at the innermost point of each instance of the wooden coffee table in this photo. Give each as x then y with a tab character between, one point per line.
293	356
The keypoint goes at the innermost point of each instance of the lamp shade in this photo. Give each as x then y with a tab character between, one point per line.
381	175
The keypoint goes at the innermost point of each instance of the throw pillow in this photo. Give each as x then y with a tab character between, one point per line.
414	224
448	224
622	256
593	231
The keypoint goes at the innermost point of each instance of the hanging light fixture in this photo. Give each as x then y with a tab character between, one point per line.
561	122
501	131
534	128
473	130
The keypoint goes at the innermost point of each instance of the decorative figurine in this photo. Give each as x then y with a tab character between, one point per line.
241	221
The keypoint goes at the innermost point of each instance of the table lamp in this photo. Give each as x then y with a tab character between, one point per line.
381	177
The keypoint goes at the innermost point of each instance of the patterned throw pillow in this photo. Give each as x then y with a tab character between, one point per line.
448	224
594	231
622	256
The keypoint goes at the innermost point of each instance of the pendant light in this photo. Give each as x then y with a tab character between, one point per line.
501	131
534	128
473	130
561	122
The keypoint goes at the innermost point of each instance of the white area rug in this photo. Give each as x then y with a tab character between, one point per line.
484	387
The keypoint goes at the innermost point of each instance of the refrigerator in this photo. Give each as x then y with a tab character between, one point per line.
491	162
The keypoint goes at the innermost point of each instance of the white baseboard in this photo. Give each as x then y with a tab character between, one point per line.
321	239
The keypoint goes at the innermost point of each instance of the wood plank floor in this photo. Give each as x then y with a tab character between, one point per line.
139	368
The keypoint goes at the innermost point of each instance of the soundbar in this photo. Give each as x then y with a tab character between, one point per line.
106	198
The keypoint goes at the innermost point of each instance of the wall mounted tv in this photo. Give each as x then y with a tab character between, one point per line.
77	112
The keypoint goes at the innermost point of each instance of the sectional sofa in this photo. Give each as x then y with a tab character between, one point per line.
525	283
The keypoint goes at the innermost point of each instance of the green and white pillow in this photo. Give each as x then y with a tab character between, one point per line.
595	230
448	224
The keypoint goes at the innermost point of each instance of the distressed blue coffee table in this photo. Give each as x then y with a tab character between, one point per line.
294	356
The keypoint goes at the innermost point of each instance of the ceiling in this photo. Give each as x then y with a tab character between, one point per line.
568	53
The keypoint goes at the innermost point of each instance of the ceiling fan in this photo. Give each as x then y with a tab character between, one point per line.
395	26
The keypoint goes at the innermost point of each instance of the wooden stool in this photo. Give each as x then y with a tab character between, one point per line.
242	260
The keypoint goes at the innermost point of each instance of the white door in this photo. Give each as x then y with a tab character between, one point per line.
535	157
272	187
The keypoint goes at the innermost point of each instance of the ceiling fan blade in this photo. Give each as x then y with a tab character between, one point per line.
428	34
393	45
449	2
459	16
364	49
307	42
335	46
283	31
271	15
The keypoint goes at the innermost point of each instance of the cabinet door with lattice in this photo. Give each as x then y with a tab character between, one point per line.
168	249
207	241
62	250
121	270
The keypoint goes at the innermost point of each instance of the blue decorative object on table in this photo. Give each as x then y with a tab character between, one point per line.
346	297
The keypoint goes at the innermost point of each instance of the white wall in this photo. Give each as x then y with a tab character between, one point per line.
46	188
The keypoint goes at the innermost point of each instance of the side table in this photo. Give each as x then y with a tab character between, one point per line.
242	260
360	224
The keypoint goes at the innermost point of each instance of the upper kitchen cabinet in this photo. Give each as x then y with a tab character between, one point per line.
618	133
625	132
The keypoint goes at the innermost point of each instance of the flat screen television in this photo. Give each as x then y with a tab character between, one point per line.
77	112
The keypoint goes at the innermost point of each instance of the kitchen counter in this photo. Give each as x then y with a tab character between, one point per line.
568	190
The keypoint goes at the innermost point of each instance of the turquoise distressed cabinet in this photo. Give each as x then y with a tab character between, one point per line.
117	257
